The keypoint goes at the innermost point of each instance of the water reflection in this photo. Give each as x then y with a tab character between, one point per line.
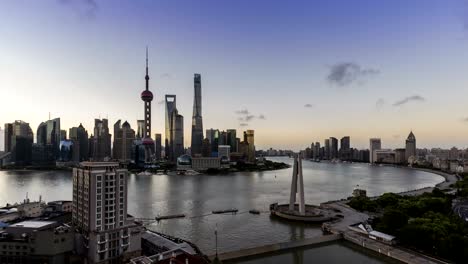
195	196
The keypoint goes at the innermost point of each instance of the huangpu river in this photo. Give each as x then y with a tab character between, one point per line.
196	196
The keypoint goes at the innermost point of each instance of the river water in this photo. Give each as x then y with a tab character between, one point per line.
197	196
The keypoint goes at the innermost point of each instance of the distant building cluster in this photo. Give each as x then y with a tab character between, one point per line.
53	147
335	150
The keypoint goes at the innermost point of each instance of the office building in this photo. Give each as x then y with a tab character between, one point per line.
213	136
345	148
317	154
140	129
177	135
327	149
375	144
49	133
63	134
79	136
410	149
100	141
170	102
206	148
387	156
157	146
105	232
224	151
18	141
2	139
249	138
333	148
231	139
197	121
124	136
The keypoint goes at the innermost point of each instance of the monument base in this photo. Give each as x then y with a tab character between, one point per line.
313	213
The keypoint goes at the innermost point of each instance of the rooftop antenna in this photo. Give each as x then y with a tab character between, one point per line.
49	115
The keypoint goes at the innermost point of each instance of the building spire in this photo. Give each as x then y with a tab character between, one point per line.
147	76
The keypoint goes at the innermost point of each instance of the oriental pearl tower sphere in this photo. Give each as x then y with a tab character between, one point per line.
147	97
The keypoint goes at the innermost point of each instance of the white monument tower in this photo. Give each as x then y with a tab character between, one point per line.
297	175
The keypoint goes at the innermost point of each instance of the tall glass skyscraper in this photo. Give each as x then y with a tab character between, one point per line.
197	121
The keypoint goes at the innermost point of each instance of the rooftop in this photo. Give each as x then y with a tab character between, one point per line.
33	224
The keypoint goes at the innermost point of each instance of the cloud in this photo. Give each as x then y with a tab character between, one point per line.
243	124
415	98
261	117
465	119
308	106
380	103
166	76
243	112
346	73
84	8
249	118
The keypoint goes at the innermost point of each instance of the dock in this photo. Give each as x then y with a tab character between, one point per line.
233	211
159	218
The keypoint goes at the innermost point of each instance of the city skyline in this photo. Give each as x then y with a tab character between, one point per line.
333	77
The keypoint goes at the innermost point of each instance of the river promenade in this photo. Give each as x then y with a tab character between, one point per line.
340	231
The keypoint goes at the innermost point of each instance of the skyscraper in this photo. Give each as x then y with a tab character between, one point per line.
157	146
345	148
79	135
101	141
231	139
213	136
2	139
147	97
197	121
18	141
410	149
140	129
104	230
49	133
177	135
327	149
124	136
249	138
168	142
375	144
333	148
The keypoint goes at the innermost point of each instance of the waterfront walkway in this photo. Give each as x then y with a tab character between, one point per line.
244	253
351	217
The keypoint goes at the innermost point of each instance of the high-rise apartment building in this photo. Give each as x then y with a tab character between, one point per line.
106	233
124	136
410	149
375	144
197	121
101	141
345	148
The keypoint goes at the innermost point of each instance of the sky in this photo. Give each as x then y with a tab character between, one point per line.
294	71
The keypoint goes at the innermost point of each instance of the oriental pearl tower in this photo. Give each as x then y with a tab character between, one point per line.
147	97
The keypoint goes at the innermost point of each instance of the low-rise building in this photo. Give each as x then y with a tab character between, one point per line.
36	242
384	156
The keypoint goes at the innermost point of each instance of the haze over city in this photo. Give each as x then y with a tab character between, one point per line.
295	72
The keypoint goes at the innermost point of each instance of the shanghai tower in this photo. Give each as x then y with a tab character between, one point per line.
197	121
